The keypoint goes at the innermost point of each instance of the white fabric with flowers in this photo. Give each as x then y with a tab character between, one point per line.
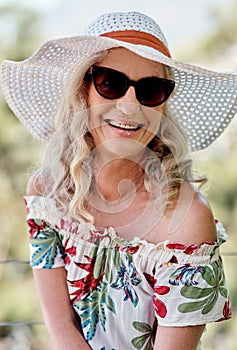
123	289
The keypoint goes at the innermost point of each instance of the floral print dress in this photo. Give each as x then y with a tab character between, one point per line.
122	289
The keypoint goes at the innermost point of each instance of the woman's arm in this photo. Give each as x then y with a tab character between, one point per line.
59	316
57	310
196	225
178	338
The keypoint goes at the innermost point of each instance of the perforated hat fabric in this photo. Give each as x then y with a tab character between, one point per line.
112	22
204	101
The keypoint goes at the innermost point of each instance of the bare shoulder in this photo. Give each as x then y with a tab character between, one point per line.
192	221
35	184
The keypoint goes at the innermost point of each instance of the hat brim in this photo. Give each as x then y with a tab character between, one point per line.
204	102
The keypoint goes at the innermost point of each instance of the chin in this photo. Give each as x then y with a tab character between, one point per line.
123	148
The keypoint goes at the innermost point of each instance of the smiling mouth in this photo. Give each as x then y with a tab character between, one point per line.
124	126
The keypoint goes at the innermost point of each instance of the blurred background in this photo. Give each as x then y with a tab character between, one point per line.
202	32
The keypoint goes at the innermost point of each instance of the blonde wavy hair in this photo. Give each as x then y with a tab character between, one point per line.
67	173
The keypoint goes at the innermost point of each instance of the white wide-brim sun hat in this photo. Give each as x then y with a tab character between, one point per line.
204	101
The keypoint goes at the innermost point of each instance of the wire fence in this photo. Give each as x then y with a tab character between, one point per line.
39	323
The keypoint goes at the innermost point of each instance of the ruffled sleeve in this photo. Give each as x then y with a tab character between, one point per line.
190	286
46	248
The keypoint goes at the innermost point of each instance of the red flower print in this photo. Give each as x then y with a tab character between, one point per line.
69	252
187	249
86	284
35	227
128	249
226	311
159	306
150	279
176	246
173	260
93	237
161	290
68	226
98	236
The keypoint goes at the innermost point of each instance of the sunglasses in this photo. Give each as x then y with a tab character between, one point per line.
112	84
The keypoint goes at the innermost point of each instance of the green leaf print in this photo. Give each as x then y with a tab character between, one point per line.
109	303
210	303
142	327
214	276
47	246
93	252
223	292
108	266
147	339
103	264
117	259
99	264
209	277
192	292
93	309
192	306
139	342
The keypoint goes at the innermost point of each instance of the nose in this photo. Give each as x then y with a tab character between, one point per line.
128	104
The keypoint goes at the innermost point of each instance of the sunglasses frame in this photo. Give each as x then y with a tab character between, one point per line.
169	84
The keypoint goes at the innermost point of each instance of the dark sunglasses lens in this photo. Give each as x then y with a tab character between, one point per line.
154	91
109	83
112	84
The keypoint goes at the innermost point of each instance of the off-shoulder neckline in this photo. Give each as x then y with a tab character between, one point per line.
221	234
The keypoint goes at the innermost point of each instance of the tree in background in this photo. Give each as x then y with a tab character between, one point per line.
219	49
19	37
222	40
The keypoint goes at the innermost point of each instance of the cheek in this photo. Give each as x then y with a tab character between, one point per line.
94	99
156	123
95	109
92	96
154	117
98	106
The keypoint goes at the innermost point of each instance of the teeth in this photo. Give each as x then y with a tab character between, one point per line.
124	126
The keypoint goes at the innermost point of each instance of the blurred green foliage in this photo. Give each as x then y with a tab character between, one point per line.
224	32
20	31
20	154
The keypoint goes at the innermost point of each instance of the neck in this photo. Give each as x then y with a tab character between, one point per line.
118	178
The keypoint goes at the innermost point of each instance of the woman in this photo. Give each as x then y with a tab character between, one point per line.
124	248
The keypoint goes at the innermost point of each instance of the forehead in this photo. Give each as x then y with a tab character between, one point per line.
127	61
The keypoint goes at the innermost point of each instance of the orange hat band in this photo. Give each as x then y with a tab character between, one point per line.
139	38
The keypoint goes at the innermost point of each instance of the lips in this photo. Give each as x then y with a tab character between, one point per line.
124	126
